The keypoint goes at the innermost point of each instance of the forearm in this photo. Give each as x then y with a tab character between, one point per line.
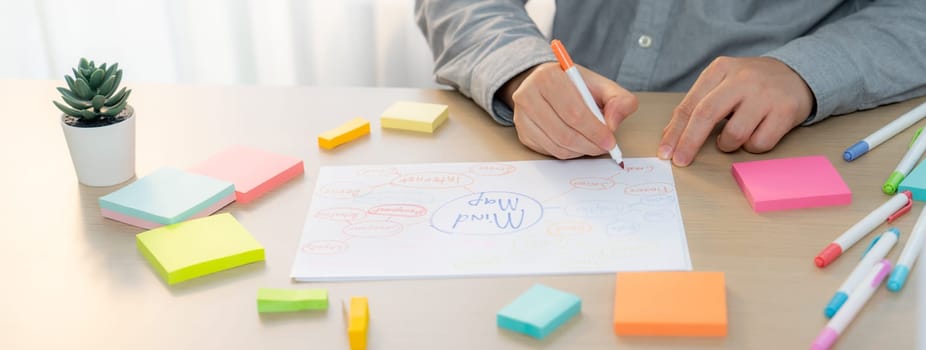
873	57
480	45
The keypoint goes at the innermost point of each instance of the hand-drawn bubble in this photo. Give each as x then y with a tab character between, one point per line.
622	228
340	214
325	247
659	216
344	190
378	171
398	210
492	169
650	189
377	197
591	183
657	200
433	179
638	169
373	229
568	228
594	209
487	213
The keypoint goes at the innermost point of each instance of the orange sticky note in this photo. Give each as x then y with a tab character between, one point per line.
670	303
344	133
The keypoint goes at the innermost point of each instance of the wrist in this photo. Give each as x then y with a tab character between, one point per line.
506	92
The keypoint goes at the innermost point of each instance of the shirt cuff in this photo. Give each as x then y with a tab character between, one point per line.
832	78
503	65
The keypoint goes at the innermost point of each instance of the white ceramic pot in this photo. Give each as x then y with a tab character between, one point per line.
104	155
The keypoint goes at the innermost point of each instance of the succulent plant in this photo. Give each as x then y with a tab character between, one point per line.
91	94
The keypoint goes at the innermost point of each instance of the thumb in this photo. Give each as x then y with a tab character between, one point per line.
616	102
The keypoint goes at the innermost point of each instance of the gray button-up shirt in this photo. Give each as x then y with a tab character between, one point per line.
854	54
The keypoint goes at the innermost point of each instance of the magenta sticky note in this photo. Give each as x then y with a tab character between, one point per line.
254	172
791	183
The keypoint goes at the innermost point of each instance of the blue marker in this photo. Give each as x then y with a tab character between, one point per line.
888	131
876	252
910	251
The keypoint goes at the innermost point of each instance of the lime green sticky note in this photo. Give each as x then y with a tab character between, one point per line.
198	247
285	300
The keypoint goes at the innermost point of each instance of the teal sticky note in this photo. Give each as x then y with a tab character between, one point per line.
167	196
539	311
915	182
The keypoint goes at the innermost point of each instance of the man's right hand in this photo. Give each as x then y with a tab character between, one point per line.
551	117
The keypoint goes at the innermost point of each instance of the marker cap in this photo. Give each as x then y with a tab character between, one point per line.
898	278
890	186
835	303
855	151
830	253
825	340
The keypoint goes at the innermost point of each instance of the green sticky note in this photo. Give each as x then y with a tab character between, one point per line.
539	311
194	248
285	300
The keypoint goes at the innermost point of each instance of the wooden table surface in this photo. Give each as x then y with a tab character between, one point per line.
73	279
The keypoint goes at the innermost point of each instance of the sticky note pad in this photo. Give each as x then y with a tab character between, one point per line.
254	172
347	132
670	303
791	183
167	196
195	248
915	182
539	311
285	300
414	116
357	317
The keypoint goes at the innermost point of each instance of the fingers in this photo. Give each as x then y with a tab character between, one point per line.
709	78
715	106
768	133
739	129
571	124
534	138
617	102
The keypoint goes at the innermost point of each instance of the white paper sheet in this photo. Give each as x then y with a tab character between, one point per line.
492	219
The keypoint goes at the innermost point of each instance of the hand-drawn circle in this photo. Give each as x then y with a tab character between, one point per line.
622	228
433	179
325	247
650	189
344	190
492	169
398	210
594	209
378	171
340	214
487	213
657	200
592	183
568	228
373	229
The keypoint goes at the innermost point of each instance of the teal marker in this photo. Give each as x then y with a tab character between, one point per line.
917	148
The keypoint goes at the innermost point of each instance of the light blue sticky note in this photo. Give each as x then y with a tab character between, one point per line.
539	311
915	182
167	196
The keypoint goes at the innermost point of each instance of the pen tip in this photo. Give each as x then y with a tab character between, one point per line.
621	164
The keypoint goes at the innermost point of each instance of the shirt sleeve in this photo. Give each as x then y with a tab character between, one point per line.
479	45
872	57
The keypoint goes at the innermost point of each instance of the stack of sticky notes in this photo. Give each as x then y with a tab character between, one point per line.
253	172
539	311
791	183
352	130
165	197
414	116
194	248
915	182
286	300
670	304
357	317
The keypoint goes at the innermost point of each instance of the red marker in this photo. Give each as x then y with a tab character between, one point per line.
889	211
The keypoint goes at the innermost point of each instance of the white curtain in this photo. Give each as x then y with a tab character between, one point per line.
266	42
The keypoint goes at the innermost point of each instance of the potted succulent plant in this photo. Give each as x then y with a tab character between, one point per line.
99	124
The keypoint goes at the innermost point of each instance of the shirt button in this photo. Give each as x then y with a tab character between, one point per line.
645	41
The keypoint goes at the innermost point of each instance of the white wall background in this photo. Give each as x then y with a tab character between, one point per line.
266	42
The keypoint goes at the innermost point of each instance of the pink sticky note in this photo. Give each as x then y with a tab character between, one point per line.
254	172
791	183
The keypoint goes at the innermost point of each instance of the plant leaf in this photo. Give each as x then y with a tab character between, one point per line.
96	78
82	89
67	110
108	86
114	99
70	82
114	110
103	66
97	102
74	102
84	64
87	114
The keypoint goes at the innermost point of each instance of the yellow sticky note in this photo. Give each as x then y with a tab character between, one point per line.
194	248
358	321
414	116
347	132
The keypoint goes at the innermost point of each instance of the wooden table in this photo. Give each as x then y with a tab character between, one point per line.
73	279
